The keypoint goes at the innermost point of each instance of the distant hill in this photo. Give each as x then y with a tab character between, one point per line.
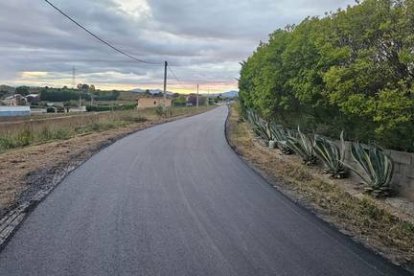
7	88
151	91
229	94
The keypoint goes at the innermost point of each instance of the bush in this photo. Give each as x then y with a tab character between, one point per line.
161	111
100	108
302	145
375	168
332	157
50	110
6	143
25	137
351	70
260	127
280	136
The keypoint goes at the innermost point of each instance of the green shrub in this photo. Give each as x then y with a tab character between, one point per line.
260	127
50	110
160	111
62	134
331	156
302	145
280	136
25	137
46	134
6	143
100	108
351	70
375	168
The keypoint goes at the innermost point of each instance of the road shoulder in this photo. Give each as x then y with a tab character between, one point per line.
358	216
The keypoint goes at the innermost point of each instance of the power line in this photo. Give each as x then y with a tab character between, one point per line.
100	39
174	75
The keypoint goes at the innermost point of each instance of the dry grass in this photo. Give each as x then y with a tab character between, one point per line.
17	134
364	218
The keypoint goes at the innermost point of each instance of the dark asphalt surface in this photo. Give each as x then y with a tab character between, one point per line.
176	200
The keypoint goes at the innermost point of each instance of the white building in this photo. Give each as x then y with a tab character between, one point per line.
14	111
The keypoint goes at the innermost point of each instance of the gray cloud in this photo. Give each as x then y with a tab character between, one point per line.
205	40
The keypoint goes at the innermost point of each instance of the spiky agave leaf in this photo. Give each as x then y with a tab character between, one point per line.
303	146
331	156
375	168
260	127
280	136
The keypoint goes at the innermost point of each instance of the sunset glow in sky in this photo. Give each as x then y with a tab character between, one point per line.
203	40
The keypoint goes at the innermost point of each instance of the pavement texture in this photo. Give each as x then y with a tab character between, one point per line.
176	200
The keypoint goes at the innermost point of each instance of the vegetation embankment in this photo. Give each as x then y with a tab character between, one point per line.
39	148
28	132
351	71
365	218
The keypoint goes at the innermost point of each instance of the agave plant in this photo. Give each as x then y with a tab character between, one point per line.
375	168
280	135
332	157
260	127
302	145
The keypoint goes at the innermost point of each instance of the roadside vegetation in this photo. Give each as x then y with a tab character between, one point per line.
36	131
351	71
336	200
374	167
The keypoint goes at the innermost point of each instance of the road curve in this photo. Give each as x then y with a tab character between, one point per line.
176	200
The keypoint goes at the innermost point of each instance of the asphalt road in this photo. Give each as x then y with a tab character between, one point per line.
176	200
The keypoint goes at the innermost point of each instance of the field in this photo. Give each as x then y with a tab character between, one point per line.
36	130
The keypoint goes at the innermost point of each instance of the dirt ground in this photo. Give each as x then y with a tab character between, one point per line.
23	170
377	224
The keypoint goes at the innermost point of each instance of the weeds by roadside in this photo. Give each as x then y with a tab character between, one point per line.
360	216
17	135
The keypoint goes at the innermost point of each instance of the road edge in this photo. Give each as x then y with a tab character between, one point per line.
308	209
53	176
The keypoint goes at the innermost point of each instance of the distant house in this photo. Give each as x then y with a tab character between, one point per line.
148	102
192	100
14	111
33	98
15	100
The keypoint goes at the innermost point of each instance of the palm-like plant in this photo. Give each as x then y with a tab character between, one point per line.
332	157
375	168
302	145
260	127
279	135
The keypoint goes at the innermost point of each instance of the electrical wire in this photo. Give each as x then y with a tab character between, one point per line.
100	39
174	75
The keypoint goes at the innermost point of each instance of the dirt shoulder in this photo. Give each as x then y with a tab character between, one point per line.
374	223
26	171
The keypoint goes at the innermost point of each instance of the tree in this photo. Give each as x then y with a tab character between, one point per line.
352	70
23	90
67	106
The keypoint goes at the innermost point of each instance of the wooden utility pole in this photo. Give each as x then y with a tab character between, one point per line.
165	83
198	90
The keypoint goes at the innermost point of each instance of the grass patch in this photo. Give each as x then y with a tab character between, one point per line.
25	132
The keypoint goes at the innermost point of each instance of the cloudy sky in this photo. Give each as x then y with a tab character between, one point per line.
203	40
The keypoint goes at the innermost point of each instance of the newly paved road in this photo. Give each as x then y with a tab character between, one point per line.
175	200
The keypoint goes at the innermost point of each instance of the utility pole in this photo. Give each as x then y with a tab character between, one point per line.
73	77
208	97
198	88
165	83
